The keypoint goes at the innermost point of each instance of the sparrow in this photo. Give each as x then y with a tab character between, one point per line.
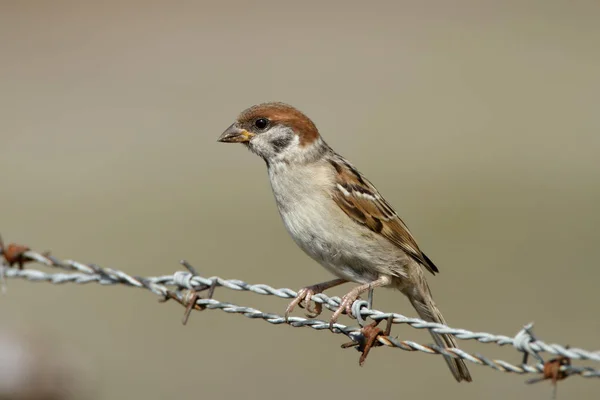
337	217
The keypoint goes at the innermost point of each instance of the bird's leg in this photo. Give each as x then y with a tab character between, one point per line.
351	296
305	294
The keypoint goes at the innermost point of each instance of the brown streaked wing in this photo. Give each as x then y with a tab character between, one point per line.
362	202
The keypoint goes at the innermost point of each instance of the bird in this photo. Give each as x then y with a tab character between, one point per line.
337	217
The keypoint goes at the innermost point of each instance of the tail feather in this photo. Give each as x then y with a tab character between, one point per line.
428	311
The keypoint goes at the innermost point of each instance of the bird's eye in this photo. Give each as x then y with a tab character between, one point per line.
261	123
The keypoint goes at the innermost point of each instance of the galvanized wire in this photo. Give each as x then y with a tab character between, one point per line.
181	283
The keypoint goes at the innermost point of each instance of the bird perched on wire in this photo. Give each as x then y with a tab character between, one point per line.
337	216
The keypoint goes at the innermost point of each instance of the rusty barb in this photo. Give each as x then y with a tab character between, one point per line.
555	369
189	297
186	289
14	254
367	338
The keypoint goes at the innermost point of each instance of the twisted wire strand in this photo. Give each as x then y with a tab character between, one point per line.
524	342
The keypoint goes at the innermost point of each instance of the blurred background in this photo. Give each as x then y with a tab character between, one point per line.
478	120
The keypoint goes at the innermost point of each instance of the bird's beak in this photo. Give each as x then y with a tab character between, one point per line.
233	134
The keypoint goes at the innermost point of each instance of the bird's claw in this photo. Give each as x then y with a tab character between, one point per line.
304	296
345	307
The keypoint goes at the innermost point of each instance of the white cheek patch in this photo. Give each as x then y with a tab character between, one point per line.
274	143
283	142
292	147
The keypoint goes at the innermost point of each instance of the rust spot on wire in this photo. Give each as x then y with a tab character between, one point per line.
553	372
367	338
14	254
190	297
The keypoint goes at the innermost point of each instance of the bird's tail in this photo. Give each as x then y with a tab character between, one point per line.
427	310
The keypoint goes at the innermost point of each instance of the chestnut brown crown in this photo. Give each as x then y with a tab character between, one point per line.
277	113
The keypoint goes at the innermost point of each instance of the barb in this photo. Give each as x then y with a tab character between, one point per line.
184	287
553	372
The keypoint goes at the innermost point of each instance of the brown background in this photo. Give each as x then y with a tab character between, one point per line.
478	120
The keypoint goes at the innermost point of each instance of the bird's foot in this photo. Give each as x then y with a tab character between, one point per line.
304	296
346	305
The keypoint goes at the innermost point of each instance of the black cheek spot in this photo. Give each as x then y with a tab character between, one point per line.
279	144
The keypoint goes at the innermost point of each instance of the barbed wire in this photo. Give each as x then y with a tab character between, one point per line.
184	286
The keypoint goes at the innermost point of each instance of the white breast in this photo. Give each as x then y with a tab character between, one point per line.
301	193
315	221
